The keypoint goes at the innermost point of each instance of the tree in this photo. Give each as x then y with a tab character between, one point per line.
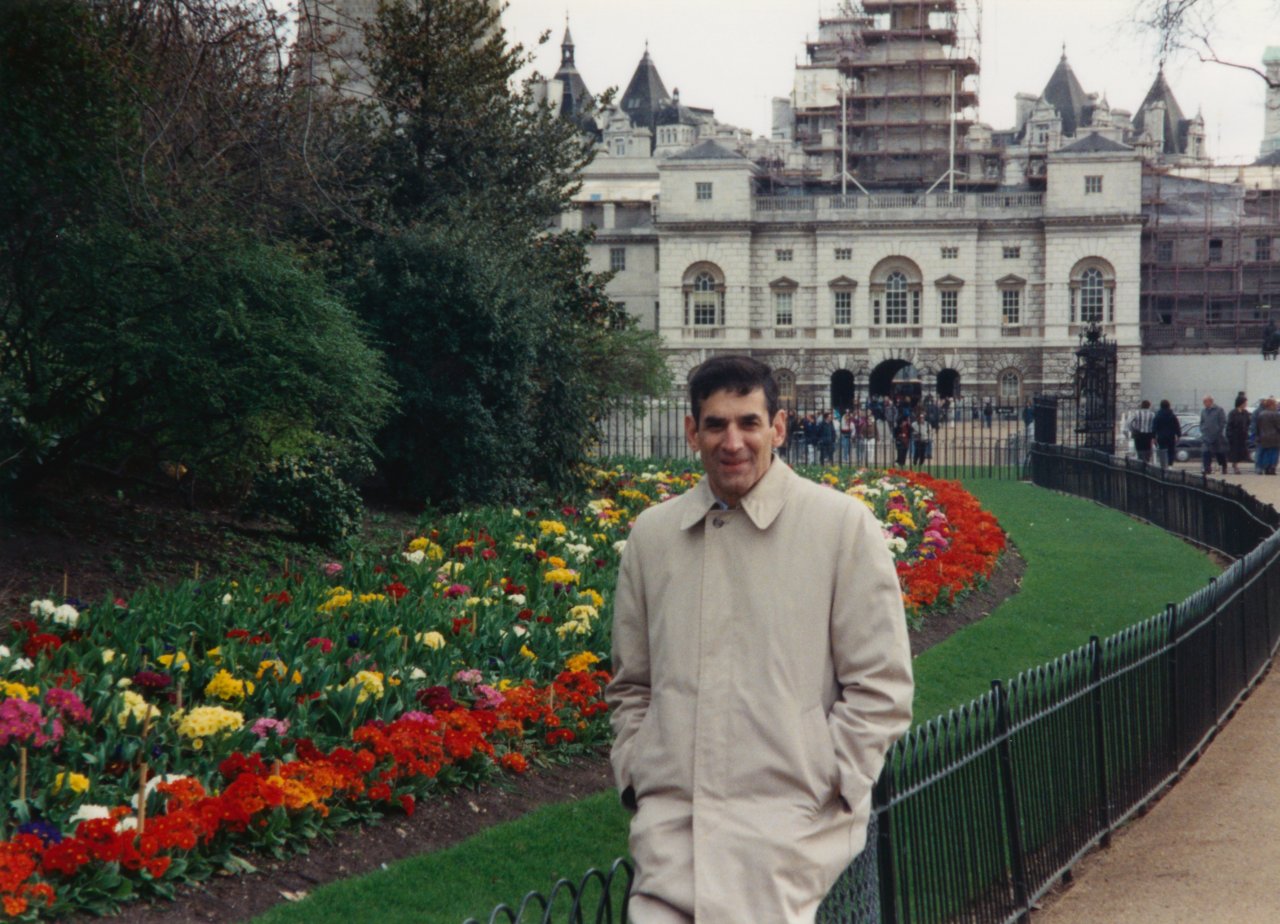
505	348
1190	25
150	308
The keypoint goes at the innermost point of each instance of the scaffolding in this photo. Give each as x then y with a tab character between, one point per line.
1210	261
900	112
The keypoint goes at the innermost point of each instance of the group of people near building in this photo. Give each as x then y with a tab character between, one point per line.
1226	438
815	437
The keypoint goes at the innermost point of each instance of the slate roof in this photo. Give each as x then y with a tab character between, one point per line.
1269	160
1093	143
1064	93
1175	124
708	150
576	95
645	94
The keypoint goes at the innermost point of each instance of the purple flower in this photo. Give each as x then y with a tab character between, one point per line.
47	832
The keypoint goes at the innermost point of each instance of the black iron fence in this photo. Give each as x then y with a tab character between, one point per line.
979	812
957	439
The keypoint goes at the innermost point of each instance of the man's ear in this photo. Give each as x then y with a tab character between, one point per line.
779	428
691	432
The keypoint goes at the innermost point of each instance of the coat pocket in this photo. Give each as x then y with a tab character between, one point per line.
820	754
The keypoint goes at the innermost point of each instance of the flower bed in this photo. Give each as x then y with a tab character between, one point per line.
159	739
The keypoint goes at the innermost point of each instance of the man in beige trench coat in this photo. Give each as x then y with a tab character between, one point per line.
761	671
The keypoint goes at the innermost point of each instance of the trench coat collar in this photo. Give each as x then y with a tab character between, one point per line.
762	503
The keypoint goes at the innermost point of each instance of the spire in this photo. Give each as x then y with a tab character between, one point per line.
1064	93
566	44
1175	125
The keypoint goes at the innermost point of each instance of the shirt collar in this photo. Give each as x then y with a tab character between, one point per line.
762	503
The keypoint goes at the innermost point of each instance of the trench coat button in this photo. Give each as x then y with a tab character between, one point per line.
717	522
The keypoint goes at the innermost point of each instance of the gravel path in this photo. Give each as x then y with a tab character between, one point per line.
1208	852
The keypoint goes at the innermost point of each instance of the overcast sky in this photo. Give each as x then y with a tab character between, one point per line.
734	56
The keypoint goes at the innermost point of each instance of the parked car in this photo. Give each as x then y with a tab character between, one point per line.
1190	445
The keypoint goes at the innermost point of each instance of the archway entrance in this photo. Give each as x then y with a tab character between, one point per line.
844	392
948	384
881	380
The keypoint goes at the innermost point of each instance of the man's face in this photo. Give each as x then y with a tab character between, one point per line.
1208	402
735	439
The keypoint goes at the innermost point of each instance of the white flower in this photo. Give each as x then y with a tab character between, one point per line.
4	651
22	664
516	513
155	781
88	812
128	823
516	599
620	545
66	615
417	674
226	599
581	552
415	557
43	608
108	655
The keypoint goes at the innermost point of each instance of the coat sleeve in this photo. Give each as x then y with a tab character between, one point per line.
628	692
872	657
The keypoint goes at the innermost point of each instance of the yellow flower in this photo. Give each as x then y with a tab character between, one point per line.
370	684
582	661
452	568
78	783
561	576
555	561
573	626
176	660
372	598
433	640
338	599
419	544
136	708
214	655
17	690
108	655
277	667
297	677
583	612
551	527
526	653
204	721
504	684
591	596
226	687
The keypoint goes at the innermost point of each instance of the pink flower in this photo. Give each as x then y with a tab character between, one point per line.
266	727
488	698
331	568
422	718
457	590
468	676
70	705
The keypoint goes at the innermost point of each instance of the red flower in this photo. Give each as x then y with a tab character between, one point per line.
325	644
237	633
488	554
39	643
396	590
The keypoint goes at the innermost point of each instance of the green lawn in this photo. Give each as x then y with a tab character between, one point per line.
1089	571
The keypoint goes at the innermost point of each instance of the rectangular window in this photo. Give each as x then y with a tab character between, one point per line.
1093	184
782	314
843	315
783	256
1215	250
1262	249
949	307
617	259
702	191
656	260
950	253
844	253
1164	251
1011	253
1011	306
656	315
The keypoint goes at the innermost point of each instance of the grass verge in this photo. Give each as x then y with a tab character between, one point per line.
1090	571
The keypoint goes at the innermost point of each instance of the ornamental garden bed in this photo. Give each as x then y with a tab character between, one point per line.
168	737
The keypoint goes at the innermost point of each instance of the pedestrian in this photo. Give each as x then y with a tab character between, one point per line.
864	437
846	435
987	411
1268	436
902	438
826	439
1142	429
1213	433
810	438
1167	429
1029	416
922	442
1238	433
761	670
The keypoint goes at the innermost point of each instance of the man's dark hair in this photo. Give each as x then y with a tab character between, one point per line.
740	375
1164	405
1145	404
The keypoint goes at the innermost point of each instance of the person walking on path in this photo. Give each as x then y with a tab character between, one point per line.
1238	433
1213	433
826	439
761	672
1167	429
1142	429
1268	436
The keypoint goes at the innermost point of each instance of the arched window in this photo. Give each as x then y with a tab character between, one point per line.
1092	296
1010	387
786	380
703	296
895	293
1093	292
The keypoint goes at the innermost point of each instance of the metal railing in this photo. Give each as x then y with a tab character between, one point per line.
979	812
